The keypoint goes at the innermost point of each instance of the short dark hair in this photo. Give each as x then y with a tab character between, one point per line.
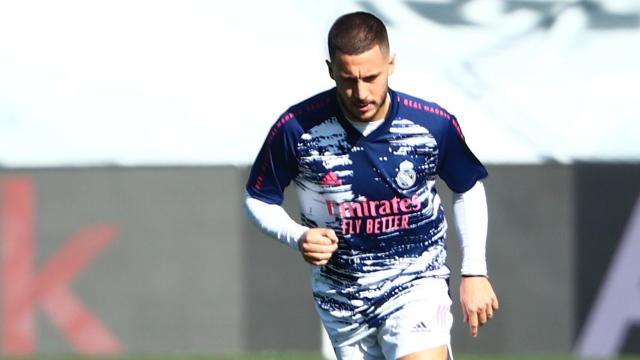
357	32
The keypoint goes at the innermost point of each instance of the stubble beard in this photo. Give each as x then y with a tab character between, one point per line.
353	114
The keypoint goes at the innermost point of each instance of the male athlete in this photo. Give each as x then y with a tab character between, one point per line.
364	159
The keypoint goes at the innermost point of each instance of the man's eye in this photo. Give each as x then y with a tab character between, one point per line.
349	79
371	78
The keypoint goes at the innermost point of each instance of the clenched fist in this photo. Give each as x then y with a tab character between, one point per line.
317	245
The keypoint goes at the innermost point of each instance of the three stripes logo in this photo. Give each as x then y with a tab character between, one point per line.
420	327
331	179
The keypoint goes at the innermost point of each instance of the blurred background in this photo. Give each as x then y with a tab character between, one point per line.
127	129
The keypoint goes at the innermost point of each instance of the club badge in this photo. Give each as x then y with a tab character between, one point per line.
406	176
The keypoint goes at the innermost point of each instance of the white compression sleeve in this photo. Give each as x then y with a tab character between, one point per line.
471	218
274	221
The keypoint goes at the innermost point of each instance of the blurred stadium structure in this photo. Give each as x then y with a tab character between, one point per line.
126	129
148	82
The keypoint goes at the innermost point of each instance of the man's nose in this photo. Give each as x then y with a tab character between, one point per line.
360	89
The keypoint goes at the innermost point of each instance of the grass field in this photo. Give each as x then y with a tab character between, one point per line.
293	357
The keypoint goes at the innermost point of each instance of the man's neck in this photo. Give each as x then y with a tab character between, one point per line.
381	116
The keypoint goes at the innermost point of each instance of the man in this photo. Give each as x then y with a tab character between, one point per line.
364	159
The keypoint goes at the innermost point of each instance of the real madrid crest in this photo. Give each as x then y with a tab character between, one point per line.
406	176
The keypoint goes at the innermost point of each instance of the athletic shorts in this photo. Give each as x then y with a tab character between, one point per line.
423	322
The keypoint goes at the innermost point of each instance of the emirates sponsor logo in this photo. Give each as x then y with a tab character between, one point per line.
374	216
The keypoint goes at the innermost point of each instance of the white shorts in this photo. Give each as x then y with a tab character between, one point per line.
424	322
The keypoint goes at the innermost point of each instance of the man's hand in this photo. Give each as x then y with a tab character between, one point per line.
478	301
317	245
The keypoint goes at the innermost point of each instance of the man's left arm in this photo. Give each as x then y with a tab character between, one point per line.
477	297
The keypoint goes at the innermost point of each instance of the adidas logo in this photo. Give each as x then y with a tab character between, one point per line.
420	327
331	179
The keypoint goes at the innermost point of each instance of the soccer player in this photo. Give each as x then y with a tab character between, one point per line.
364	159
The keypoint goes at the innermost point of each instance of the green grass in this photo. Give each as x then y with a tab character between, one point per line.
292	356
530	357
268	356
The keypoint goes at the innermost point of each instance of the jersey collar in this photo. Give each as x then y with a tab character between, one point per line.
353	135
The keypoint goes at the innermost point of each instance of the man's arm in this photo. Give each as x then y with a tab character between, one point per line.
316	245
274	221
477	297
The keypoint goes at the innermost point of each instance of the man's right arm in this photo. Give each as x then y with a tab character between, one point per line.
274	221
316	244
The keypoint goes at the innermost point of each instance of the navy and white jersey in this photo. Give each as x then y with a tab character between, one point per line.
378	192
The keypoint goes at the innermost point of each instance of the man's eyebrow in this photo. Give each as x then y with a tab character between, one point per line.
351	76
347	75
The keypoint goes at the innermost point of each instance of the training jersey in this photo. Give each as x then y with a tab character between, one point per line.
378	192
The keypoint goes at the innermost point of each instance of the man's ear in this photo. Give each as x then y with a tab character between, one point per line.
392	63
330	68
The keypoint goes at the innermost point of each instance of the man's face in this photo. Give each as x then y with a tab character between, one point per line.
362	83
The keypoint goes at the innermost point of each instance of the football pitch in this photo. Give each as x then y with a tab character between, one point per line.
299	356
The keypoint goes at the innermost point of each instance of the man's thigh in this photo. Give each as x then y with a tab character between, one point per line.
439	353
421	328
366	348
